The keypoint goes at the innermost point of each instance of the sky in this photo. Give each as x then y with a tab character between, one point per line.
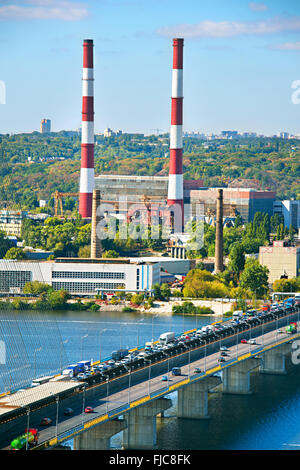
241	62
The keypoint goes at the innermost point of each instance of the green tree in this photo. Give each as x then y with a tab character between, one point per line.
255	277
15	253
36	288
236	258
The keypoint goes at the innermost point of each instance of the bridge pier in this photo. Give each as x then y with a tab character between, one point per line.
273	360
98	437
236	378
193	399
141	424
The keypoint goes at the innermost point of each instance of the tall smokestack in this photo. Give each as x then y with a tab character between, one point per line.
175	188
87	132
96	248
219	234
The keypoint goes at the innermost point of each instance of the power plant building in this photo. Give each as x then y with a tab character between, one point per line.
236	201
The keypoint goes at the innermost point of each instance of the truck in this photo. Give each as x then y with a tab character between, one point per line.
291	328
41	380
71	370
176	371
167	337
83	365
30	436
120	354
237	314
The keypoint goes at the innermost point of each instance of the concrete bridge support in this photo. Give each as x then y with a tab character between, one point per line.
273	360
193	399
141	424
236	378
98	437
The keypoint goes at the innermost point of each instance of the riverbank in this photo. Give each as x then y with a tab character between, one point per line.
165	308
161	308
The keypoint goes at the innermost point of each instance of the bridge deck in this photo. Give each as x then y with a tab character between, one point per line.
29	396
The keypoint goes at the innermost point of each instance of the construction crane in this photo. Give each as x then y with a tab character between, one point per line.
58	201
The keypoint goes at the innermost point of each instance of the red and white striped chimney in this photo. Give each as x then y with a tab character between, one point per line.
175	188
87	132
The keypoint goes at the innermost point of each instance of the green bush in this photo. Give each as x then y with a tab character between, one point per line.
127	309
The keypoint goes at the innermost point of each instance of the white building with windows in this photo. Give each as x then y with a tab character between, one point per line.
80	276
290	209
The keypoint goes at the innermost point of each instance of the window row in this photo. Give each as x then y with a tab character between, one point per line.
86	287
87	275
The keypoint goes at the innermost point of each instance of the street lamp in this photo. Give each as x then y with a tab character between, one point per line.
153	316
57	401
81	344
138	331
149	378
100	343
107	395
83	401
121	333
237	344
34	354
129	382
61	348
28	413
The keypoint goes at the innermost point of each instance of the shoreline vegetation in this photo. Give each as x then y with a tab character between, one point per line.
191	307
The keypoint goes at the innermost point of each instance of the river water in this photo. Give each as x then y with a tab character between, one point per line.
42	343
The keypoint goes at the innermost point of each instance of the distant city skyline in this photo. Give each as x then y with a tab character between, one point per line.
240	64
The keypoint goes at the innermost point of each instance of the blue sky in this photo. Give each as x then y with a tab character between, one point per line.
240	60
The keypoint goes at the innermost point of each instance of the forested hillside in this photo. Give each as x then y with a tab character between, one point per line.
33	166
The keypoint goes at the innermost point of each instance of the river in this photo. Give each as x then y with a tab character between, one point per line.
46	342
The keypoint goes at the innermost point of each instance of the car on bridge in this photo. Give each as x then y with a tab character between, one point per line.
89	409
244	341
46	422
164	378
68	412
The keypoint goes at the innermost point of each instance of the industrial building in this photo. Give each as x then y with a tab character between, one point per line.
281	259
80	276
236	201
242	201
290	210
115	187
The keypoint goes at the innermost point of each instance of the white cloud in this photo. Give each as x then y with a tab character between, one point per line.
227	29
254	6
66	10
287	46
